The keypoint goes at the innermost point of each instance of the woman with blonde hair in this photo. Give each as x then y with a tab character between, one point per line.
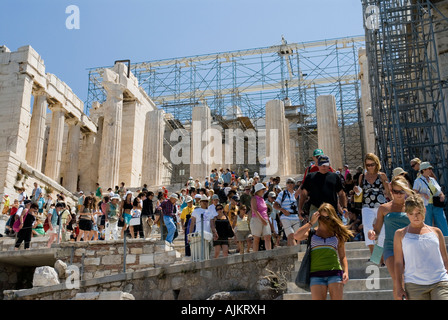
375	190
421	260
329	267
393	216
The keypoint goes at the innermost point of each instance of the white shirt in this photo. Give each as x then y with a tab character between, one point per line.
208	215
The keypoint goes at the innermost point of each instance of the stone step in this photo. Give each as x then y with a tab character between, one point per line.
354	285
348	295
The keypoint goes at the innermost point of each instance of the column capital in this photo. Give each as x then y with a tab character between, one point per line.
39	92
56	107
73	122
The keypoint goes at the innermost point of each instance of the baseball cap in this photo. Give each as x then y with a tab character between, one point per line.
318	152
323	161
397	171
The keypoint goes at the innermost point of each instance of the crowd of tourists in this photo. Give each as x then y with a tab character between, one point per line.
401	219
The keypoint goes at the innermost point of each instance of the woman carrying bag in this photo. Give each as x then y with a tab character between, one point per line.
433	198
328	267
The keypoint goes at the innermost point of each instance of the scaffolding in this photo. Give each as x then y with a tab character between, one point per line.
407	91
239	83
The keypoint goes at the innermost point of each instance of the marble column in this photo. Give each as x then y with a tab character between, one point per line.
54	151
72	155
200	163
327	129
132	141
152	166
109	163
366	104
15	107
35	146
277	140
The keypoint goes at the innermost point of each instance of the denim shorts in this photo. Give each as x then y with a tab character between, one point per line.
387	253
325	281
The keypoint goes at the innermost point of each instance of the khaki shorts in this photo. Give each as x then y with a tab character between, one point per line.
258	229
291	224
436	291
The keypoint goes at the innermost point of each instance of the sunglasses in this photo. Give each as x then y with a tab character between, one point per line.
370	165
324	217
398	191
217	209
413	165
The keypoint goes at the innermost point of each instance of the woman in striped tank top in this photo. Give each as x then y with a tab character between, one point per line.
329	268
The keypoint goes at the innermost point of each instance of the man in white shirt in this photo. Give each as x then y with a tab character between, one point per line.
200	213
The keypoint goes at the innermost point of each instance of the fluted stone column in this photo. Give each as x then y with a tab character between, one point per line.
152	166
54	151
277	140
200	165
328	130
109	164
366	104
72	155
15	107
35	146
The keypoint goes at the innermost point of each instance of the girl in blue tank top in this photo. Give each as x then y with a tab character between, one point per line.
393	216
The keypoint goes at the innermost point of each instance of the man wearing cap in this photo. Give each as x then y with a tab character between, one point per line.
169	210
286	203
147	213
200	214
185	218
314	167
322	186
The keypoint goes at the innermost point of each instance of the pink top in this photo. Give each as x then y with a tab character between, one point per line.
261	207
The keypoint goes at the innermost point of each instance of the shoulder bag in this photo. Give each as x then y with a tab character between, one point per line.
303	276
435	199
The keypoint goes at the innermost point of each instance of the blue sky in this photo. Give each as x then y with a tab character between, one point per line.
150	30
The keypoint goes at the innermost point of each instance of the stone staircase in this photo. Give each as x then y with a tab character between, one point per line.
368	281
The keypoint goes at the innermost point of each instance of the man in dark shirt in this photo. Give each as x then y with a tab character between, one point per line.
147	213
323	186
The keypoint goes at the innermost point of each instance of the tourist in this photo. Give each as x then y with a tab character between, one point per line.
22	195
125	213
103	206
202	216
136	218
26	226
185	222
38	227
274	217
86	219
169	210
245	198
392	214
314	167
99	191
54	223
429	189
112	216
398	171
122	190
41	203
147	213
231	210
286	204
329	267
421	261
259	223
375	191
12	214
6	204
36	193
81	199
322	186
223	232
242	229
